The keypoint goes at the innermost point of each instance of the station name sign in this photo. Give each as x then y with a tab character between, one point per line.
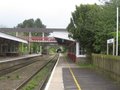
110	41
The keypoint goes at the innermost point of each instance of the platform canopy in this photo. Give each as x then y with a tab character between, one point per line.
63	39
9	37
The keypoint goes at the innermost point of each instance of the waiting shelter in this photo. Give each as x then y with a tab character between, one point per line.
10	45
75	51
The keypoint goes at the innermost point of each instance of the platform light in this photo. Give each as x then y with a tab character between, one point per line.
117	22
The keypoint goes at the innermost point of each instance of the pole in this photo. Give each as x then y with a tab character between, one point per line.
43	36
107	49
16	34
117	31
113	47
29	43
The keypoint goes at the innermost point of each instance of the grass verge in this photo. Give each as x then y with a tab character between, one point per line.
85	65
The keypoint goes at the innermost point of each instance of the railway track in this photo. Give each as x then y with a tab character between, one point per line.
19	77
41	86
18	66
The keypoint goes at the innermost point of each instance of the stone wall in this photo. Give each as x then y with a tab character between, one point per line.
81	60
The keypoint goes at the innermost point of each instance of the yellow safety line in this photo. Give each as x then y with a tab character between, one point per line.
75	80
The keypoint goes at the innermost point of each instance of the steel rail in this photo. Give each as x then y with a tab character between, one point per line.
42	86
27	80
16	67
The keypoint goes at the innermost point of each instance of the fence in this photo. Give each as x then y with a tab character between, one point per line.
109	65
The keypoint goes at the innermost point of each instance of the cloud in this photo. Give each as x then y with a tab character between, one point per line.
53	13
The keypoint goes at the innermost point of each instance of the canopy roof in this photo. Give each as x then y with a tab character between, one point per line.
62	38
9	37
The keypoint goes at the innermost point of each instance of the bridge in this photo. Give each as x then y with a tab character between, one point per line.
18	32
40	39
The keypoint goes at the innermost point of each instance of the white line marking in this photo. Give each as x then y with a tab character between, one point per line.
51	76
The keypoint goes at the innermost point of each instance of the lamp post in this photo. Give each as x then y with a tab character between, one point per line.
117	29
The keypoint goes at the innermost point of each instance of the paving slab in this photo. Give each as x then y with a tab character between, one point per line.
88	79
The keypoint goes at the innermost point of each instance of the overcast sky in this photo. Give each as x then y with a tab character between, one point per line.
53	13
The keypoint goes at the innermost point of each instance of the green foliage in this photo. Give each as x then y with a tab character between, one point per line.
11	33
92	25
17	76
30	23
105	57
86	65
83	26
38	23
52	50
64	49
38	78
20	48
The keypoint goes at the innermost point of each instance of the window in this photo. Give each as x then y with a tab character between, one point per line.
81	51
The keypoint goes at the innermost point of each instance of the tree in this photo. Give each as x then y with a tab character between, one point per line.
83	25
106	24
91	25
26	23
108	21
31	23
38	23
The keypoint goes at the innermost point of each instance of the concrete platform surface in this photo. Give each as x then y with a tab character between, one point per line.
86	79
6	59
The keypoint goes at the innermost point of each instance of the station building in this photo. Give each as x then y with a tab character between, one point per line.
10	45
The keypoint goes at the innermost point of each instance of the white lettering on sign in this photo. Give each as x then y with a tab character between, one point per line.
110	40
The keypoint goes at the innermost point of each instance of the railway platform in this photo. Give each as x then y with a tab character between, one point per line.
68	76
5	59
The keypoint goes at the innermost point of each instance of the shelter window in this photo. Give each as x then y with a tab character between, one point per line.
81	51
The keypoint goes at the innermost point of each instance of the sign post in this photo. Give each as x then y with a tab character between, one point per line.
111	41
